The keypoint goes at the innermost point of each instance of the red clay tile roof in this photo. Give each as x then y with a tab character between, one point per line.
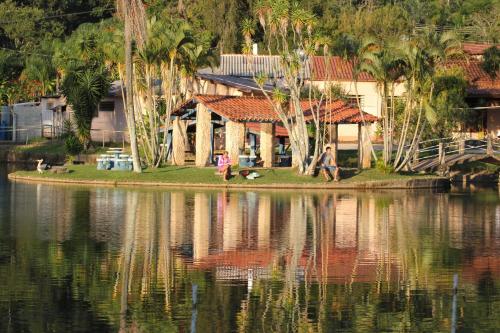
475	48
255	127
335	69
258	109
480	82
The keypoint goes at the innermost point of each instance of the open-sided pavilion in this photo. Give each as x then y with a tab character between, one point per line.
240	115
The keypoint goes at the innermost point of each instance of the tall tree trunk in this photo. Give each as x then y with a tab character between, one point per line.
130	91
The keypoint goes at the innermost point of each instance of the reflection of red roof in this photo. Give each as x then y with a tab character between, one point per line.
240	259
259	109
480	266
335	69
480	82
348	264
339	265
475	48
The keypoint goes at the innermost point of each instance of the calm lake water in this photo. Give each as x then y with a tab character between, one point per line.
123	260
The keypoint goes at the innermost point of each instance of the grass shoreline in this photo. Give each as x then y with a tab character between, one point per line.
179	177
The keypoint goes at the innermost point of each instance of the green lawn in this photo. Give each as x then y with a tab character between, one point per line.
194	175
42	146
56	147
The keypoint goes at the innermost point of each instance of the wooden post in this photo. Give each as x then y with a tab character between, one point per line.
442	154
461	146
364	153
203	137
416	155
267	132
235	140
179	138
489	145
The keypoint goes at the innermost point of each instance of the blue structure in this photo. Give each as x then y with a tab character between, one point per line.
115	160
5	124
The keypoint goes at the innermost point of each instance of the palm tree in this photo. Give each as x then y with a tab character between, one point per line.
84	88
133	15
284	25
383	64
422	57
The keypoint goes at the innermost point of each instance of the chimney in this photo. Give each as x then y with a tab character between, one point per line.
255	49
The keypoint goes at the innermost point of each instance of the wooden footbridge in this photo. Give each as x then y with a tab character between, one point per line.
440	154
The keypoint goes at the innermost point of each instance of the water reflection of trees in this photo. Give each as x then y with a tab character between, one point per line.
267	262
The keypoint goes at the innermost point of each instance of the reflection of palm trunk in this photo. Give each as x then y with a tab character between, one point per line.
164	255
297	235
177	218
150	210
128	250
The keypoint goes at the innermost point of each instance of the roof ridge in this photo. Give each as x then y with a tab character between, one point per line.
228	96
249	55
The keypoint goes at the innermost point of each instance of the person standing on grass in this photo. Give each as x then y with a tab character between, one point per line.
329	166
224	166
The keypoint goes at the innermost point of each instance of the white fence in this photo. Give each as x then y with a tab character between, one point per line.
108	136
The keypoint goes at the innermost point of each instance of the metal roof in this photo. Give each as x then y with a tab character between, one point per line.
252	65
245	84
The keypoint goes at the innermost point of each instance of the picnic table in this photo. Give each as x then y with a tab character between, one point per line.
114	160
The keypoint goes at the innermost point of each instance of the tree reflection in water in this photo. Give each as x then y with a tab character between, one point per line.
150	261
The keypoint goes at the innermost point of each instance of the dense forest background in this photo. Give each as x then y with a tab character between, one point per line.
30	30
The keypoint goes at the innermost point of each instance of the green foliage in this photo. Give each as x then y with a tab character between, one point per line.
218	25
491	62
384	168
41	71
450	90
72	145
18	23
84	88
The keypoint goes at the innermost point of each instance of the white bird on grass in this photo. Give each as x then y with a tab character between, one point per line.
41	167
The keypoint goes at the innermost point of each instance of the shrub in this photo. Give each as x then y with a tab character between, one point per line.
382	167
67	129
73	145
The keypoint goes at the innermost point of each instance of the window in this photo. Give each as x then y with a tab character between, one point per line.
107	106
353	100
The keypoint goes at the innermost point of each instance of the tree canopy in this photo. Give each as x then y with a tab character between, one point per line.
31	30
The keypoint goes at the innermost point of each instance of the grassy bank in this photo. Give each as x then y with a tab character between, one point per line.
192	175
48	148
44	146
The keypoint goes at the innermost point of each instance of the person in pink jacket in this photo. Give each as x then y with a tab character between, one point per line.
224	166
